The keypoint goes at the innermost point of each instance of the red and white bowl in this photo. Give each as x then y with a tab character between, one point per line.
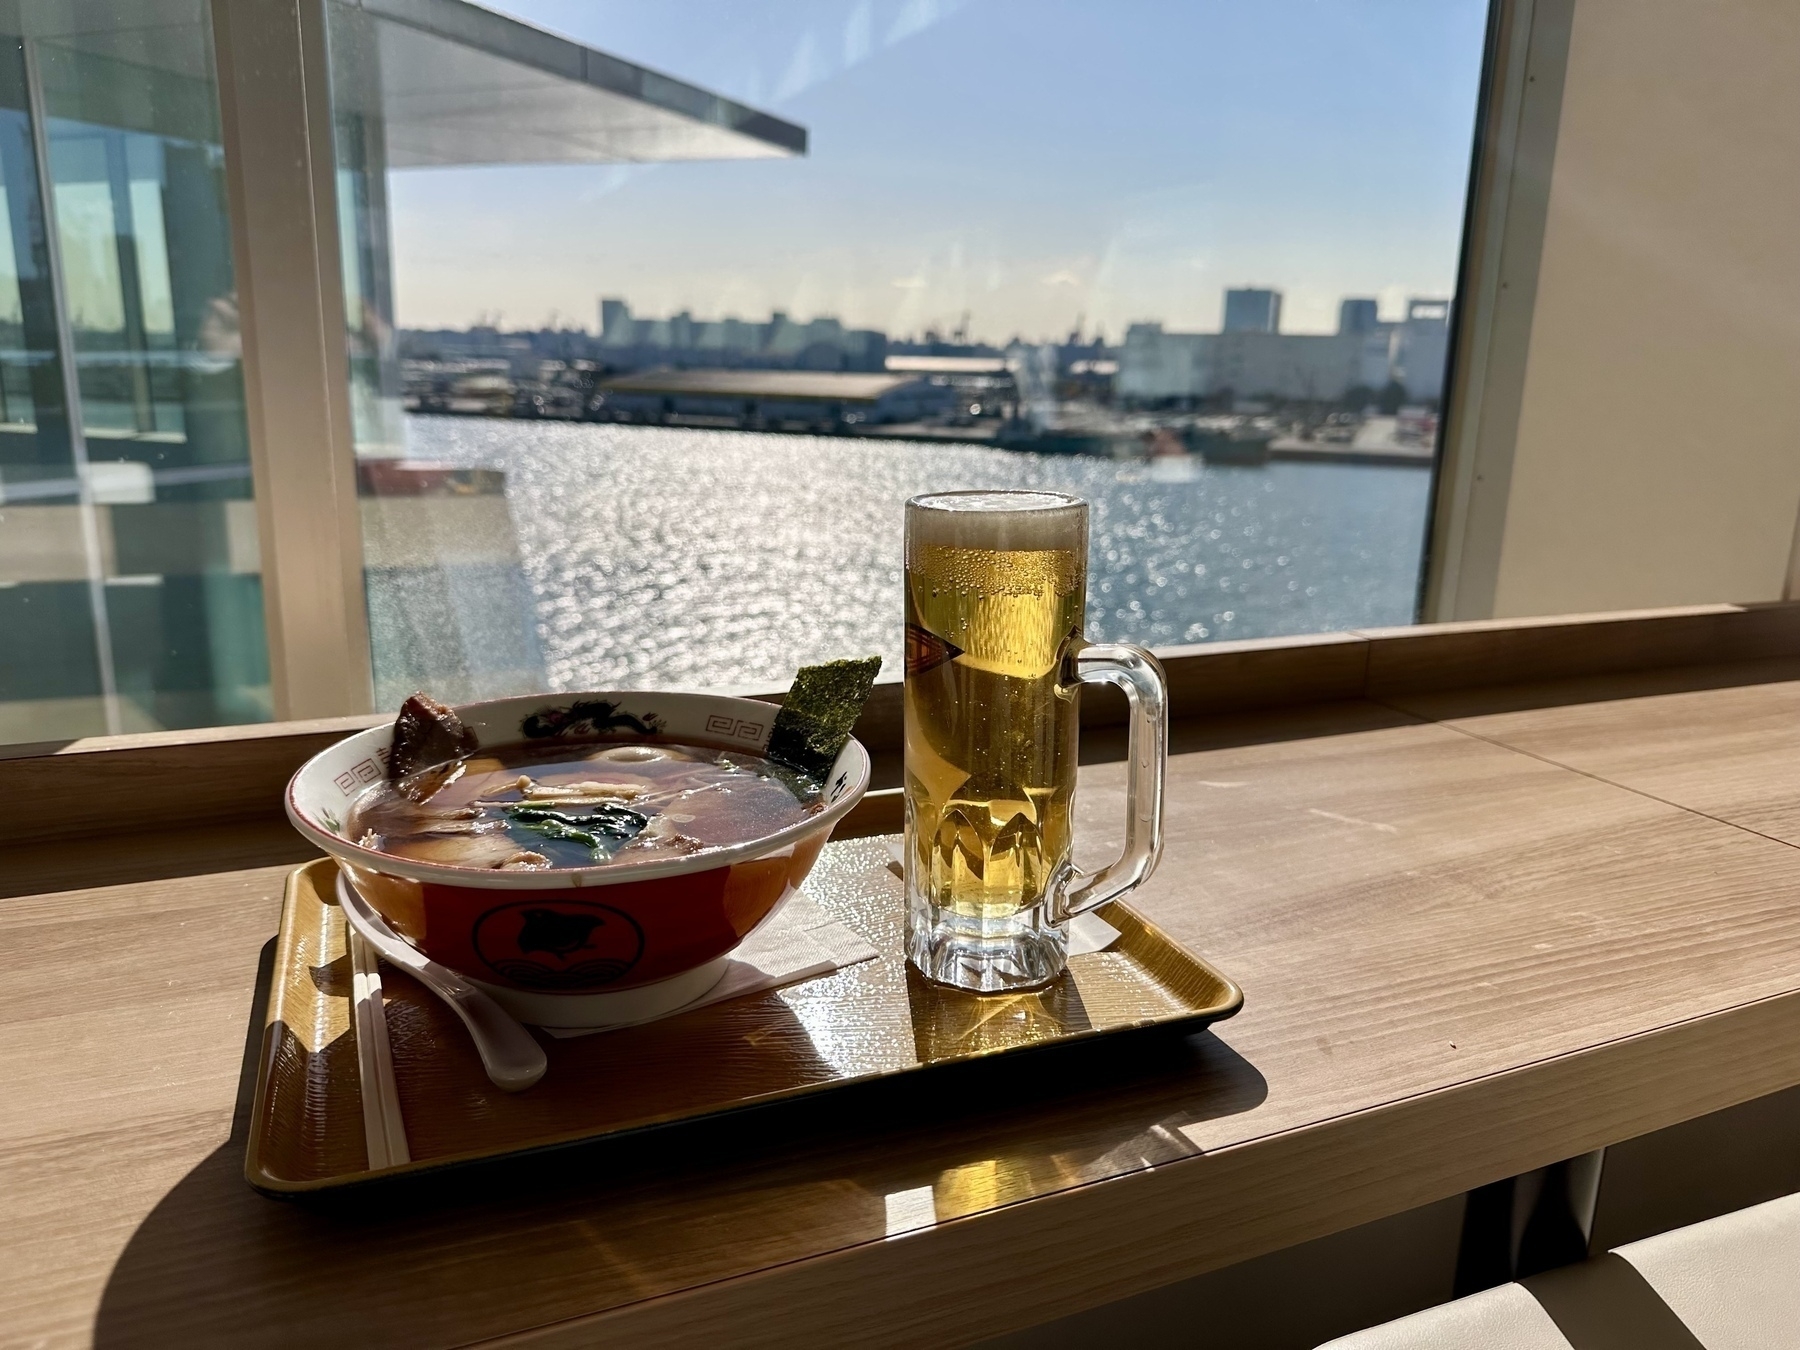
656	934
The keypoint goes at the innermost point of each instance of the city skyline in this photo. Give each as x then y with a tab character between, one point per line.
1322	148
1354	314
1370	311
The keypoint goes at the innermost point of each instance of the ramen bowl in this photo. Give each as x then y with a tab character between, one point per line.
580	947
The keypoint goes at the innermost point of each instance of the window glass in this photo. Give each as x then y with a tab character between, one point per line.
640	398
129	572
50	587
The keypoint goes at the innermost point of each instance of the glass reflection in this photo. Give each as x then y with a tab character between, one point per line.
709	386
129	566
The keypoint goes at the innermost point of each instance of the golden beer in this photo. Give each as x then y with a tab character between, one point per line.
995	591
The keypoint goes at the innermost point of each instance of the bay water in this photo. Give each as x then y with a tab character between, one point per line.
652	556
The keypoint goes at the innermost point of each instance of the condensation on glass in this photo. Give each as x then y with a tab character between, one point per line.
996	584
130	588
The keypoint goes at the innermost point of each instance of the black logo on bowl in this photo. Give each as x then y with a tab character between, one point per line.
588	717
558	944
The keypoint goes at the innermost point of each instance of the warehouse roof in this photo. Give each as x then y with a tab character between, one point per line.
823	385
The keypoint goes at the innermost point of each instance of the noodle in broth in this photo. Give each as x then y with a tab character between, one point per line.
533	806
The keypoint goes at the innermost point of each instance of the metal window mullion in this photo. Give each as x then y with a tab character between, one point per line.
1496	296
276	119
87	511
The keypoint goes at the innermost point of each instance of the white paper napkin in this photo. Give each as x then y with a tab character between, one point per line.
802	942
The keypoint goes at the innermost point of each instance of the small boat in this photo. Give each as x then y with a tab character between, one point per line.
1240	445
1170	460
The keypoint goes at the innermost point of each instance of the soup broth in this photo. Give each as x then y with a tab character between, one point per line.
536	806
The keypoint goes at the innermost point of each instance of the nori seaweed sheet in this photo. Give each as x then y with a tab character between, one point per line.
814	722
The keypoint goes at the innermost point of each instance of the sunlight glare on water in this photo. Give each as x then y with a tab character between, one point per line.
673	557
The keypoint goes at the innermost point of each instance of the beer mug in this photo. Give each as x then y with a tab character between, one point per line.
996	590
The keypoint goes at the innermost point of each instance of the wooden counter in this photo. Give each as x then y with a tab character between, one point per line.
1479	928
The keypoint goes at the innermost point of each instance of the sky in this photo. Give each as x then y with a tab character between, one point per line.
1030	163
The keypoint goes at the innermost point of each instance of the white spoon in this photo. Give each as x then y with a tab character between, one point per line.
512	1057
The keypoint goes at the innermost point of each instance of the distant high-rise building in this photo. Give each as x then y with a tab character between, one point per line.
1358	316
1423	346
1252	311
1251	358
615	321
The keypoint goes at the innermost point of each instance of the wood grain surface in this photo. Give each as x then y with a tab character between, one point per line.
221	775
1467	949
1721	740
1434	657
157	779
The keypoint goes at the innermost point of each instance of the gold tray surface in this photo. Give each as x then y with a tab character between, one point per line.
863	1023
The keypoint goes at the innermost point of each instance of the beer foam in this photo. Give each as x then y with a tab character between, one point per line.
998	520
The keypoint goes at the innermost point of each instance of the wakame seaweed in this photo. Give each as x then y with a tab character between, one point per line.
555	829
600	828
619	821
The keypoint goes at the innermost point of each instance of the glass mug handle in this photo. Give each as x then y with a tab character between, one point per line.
1140	675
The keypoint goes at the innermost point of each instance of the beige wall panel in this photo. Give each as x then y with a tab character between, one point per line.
45	543
1658	451
182	538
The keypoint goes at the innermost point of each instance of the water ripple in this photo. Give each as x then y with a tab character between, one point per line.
677	557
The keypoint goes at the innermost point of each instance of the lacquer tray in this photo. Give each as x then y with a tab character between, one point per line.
862	1024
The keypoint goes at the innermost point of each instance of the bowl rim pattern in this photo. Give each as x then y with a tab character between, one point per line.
845	785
